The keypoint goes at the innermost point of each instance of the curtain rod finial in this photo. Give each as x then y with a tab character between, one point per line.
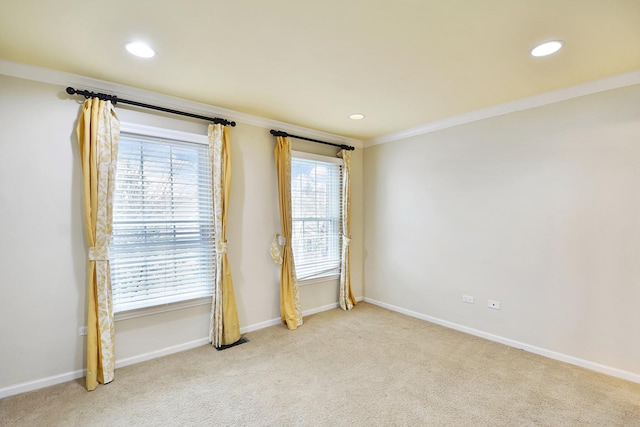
71	90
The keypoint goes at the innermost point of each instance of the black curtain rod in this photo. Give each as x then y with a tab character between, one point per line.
280	133
114	99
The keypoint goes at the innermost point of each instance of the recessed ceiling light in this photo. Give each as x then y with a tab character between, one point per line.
357	116
140	49
546	48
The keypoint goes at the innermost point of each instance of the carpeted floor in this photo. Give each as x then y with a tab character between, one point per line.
367	367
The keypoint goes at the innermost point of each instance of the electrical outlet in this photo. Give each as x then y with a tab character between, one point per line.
467	298
494	304
83	330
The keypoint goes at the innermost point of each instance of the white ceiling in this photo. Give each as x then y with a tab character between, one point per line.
403	63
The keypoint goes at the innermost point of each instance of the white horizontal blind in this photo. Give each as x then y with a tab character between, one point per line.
316	195
162	248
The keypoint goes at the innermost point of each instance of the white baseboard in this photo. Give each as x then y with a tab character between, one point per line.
41	383
603	369
260	325
162	352
70	376
278	321
73	375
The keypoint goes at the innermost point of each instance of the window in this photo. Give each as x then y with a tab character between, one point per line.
316	204
162	248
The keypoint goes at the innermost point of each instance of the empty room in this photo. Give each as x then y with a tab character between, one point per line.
329	213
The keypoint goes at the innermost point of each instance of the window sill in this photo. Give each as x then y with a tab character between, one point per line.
156	309
322	279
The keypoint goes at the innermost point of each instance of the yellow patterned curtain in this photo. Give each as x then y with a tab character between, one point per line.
290	310
98	132
347	300
224	328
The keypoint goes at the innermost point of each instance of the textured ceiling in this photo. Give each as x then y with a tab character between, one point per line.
403	63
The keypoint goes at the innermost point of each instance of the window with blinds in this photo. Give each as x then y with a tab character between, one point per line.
316	203
162	248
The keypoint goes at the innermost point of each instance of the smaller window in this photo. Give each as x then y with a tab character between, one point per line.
316	204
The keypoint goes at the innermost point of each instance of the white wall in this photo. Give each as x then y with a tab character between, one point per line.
539	210
42	242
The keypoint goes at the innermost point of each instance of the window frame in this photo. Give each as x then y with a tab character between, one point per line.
163	133
325	159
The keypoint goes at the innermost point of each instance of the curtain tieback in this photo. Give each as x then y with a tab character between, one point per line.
99	253
275	250
346	240
221	247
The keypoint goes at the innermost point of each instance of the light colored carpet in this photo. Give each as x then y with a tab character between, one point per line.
367	367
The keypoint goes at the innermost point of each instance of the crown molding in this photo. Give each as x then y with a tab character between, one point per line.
563	94
61	78
45	75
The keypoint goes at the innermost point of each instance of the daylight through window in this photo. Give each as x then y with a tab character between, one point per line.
162	247
316	213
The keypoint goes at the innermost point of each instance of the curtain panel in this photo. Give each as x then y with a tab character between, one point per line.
347	300
224	328
98	132
290	309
